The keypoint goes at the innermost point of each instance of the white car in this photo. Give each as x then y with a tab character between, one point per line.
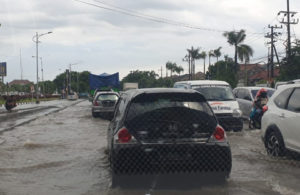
280	124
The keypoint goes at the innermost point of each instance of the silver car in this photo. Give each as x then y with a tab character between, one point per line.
104	103
245	97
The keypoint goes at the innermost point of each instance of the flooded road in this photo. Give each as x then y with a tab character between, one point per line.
64	153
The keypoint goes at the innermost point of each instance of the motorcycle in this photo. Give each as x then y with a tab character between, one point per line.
10	103
256	116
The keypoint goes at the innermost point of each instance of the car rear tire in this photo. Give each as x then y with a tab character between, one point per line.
274	144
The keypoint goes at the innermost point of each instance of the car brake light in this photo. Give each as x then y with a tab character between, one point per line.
265	108
96	103
219	133
124	136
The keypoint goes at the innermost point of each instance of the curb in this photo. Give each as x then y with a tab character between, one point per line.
32	119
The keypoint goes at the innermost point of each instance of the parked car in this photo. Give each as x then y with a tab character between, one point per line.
280	124
246	96
221	99
104	103
166	131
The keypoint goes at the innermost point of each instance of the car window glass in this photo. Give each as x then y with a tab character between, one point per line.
120	109
216	93
294	102
282	98
105	97
247	95
239	93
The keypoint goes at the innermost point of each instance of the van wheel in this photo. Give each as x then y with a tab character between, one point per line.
274	144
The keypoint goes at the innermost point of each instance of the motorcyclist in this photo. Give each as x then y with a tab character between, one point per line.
10	102
260	101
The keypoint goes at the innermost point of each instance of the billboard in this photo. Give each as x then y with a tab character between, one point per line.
3	69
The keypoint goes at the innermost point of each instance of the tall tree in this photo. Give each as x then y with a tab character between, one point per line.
217	53
235	39
210	54
203	56
244	54
178	69
194	55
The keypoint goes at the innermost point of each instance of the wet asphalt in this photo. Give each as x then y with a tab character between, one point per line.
65	153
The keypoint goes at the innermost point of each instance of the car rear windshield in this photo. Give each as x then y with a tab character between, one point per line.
269	92
166	115
215	93
105	97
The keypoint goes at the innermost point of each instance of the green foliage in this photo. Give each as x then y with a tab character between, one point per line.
291	70
47	87
224	71
147	79
83	81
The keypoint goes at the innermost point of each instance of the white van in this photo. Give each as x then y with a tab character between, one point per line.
221	99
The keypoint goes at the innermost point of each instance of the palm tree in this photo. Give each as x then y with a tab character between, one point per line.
203	56
210	54
235	39
244	53
178	69
171	66
217	53
194	55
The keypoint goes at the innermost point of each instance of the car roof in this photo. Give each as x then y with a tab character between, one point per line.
135	92
203	82
283	87
255	88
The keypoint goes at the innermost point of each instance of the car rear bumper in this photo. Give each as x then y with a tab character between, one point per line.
228	122
170	159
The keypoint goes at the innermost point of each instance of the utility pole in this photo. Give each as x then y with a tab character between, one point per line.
288	20
161	71
21	67
272	36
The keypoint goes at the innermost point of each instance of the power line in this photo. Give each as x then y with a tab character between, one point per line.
132	13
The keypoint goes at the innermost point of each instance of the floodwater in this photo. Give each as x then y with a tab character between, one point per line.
64	153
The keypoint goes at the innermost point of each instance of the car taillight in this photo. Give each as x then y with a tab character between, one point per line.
219	133
124	136
96	103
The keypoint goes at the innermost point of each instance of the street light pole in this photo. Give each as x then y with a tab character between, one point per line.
37	69
36	40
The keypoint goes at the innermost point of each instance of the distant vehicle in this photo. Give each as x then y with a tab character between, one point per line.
280	124
72	96
166	131
245	97
104	103
221	99
128	86
84	95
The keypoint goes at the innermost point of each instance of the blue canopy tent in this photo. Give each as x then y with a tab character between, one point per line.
104	81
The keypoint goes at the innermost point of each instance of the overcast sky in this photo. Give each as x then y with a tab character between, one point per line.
100	40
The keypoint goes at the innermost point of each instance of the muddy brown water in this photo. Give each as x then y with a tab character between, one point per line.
65	153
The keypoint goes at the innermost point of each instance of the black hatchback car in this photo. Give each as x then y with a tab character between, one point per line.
166	131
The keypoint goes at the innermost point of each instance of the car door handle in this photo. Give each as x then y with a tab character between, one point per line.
282	115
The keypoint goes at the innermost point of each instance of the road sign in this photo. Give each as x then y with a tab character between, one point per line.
3	71
32	89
